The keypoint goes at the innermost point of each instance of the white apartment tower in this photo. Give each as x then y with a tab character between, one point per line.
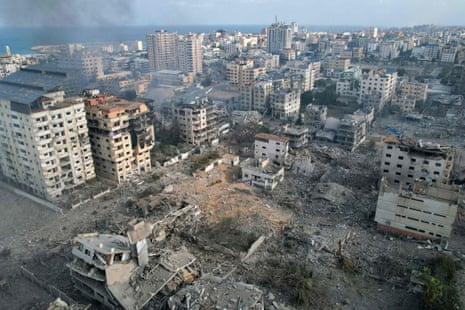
189	53
168	51
285	104
161	49
279	37
44	140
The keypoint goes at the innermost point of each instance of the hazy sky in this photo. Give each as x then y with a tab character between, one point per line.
176	12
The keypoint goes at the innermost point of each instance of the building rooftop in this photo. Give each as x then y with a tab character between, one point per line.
103	243
267	136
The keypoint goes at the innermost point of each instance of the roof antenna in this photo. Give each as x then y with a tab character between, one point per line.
276	19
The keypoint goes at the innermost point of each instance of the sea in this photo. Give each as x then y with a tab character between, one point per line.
21	39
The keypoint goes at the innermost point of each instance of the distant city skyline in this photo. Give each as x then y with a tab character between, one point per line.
381	13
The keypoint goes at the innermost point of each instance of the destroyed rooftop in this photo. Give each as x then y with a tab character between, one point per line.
267	137
103	243
420	147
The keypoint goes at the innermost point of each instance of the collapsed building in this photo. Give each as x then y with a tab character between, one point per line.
212	292
421	210
347	132
118	271
262	173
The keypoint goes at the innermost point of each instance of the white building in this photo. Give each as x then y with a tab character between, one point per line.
44	140
256	96
271	146
285	104
261	173
377	87
404	161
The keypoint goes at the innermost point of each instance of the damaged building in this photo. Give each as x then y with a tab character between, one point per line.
201	121
121	134
405	160
262	173
118	271
271	146
212	292
422	210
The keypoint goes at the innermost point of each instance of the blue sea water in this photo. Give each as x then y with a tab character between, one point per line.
20	40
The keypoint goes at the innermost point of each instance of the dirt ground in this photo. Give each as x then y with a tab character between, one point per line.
303	219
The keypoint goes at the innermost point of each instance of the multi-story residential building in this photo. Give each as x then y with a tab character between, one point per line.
308	72
285	104
239	73
271	146
189	53
121	134
315	117
404	161
416	89
350	133
421	211
297	135
377	88
162	52
279	36
347	88
448	54
406	103
168	51
338	65
88	62
200	122
44	141
255	96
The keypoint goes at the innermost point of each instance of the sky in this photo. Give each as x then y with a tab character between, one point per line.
381	13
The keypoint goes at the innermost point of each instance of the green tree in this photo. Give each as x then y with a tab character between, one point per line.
305	99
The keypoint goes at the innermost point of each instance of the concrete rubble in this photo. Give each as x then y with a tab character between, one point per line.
212	292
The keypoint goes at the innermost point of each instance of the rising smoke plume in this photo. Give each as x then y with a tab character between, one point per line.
65	12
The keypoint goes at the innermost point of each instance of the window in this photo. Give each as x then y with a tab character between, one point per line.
399	166
401	157
438	164
387	163
411	168
410	176
388	155
397	173
426	162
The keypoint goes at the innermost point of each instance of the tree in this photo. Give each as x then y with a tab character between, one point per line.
328	96
207	81
305	99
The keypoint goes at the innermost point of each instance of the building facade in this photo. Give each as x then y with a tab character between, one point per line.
279	36
162	52
271	146
255	96
285	104
377	88
201	122
121	134
404	161
422	211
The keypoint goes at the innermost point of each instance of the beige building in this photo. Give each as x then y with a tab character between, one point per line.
350	133
200	122
421	211
338	65
44	143
189	53
240	73
122	136
377	88
255	96
285	104
406	103
405	160
279	36
162	52
308	72
416	89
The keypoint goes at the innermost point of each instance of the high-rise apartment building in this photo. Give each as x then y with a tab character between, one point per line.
201	121
121	134
285	104
161	49
377	88
44	141
168	51
242	72
256	96
279	37
189	53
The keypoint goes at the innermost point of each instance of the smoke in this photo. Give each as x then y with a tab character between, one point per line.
66	12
